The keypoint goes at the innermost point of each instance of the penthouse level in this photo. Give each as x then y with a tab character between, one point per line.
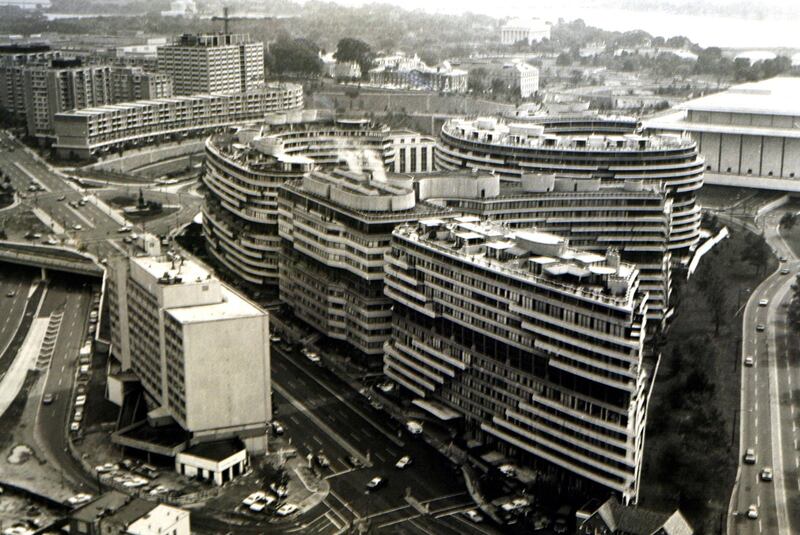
244	171
514	149
84	133
335	230
632	216
525	344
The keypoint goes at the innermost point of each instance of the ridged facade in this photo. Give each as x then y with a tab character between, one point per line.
243	173
567	148
630	216
335	229
538	348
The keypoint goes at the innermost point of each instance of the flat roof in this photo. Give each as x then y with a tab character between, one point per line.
216	451
190	272
774	96
111	500
233	306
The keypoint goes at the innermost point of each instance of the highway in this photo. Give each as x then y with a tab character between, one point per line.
769	402
71	297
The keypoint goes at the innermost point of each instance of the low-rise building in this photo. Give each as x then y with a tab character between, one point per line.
335	229
528	30
399	71
613	518
413	152
347	70
188	338
750	129
115	513
82	133
518	341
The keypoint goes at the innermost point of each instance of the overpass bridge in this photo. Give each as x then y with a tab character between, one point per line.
48	257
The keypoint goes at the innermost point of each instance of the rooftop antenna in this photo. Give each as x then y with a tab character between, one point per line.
224	18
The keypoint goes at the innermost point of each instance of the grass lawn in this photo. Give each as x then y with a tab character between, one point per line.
692	434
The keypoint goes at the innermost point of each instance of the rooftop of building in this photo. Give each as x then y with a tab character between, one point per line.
176	270
132	511
162	514
216	451
529	134
369	195
525	23
638	521
774	96
26	48
110	501
529	254
210	39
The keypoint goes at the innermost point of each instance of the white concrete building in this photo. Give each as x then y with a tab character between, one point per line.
189	338
520	342
746	134
213	63
85	132
162	520
414	152
215	462
530	30
335	229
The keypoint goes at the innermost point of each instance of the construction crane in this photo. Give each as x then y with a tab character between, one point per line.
225	18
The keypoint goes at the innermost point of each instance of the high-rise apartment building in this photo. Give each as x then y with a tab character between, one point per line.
62	85
135	83
14	59
335	229
199	349
523	343
631	216
571	149
213	63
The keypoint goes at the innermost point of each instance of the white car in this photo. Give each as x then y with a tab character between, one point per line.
286	509
752	512
386	387
84	369
474	516
280	490
75	426
253	498
404	461
258	507
80	401
766	474
414	427
125	228
763	302
79	499
312	356
507	470
160	489
135	482
749	361
77	226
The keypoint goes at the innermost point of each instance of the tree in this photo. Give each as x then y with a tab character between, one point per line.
293	56
478	80
756	252
350	49
564	59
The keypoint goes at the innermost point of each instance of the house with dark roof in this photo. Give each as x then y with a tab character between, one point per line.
613	518
117	513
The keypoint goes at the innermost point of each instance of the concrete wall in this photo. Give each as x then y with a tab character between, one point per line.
737	154
230	358
132	160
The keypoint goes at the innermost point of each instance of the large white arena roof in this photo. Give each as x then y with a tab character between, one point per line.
774	96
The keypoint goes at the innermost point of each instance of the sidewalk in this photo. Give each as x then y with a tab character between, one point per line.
24	361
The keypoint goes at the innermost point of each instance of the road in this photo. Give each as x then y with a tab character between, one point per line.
69	298
769	402
12	308
321	414
98	231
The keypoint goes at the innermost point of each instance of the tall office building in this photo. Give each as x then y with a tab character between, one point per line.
199	349
523	343
632	216
335	229
571	149
213	63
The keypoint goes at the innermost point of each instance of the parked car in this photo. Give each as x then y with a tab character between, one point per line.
474	516
277	428
286	509
507	470
354	461
79	499
375	483
323	461
403	461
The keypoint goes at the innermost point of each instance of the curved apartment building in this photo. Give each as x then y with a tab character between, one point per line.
335	229
243	172
531	347
629	215
517	148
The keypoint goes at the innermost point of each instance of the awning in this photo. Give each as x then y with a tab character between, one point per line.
437	409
